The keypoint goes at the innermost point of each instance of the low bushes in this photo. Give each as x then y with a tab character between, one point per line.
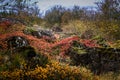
23	57
109	30
29	64
52	71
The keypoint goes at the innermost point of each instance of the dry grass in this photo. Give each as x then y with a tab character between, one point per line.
110	76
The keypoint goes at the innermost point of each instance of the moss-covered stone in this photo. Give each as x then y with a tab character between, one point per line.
97	59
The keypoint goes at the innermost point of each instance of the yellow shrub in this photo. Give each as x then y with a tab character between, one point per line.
52	71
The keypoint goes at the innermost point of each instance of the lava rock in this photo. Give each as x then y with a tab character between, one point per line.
16	42
41	33
37	34
99	60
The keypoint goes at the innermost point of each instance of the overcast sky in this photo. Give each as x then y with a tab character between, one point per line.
47	4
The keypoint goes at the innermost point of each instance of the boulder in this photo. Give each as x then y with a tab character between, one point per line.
37	34
99	60
41	33
45	34
16	42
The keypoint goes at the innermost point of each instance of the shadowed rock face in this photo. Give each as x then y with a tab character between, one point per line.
37	34
32	57
16	42
99	60
45	34
41	33
27	54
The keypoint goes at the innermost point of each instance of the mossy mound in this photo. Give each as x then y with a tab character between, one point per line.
24	57
98	59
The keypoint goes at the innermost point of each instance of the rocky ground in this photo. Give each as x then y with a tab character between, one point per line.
80	51
34	48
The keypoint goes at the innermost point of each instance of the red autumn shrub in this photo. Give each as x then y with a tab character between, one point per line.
5	24
65	44
39	44
89	43
3	45
46	47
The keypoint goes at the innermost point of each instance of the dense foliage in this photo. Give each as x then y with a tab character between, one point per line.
75	43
